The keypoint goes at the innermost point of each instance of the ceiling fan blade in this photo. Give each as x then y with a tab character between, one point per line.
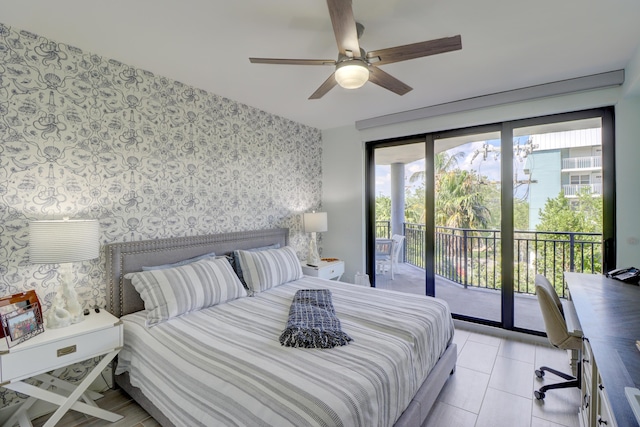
415	50
344	27
292	61
324	87
387	81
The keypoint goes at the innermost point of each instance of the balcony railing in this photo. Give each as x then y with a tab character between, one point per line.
589	162
574	189
472	257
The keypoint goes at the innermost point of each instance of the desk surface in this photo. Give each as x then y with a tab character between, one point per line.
609	313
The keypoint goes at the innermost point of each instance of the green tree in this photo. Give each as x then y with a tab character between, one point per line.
461	200
383	208
583	215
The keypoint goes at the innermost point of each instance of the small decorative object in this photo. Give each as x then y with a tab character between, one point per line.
64	242
314	222
362	279
20	317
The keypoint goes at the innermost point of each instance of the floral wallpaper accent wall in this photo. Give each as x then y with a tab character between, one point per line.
82	136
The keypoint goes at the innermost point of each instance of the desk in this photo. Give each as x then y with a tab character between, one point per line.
609	313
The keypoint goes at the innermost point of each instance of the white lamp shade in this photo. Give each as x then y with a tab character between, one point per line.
61	241
315	222
351	74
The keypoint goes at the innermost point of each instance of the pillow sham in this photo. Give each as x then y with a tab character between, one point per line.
236	264
175	291
269	268
179	263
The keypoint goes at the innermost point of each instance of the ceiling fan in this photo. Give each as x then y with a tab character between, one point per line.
354	67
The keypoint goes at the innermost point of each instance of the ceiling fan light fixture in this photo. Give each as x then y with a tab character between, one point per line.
352	74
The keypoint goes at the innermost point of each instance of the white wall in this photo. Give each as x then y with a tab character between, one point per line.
343	170
343	198
627	180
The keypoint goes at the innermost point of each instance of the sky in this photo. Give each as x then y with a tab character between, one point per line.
472	159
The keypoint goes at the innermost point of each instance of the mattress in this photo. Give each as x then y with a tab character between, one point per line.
224	365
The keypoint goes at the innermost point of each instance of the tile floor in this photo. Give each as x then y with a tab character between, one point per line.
494	382
492	387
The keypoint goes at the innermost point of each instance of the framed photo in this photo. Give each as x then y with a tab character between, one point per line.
21	323
16	304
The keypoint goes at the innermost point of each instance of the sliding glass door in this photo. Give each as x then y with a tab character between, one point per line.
480	211
399	226
468	183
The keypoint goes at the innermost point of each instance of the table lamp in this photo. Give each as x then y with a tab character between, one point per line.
64	242
314	222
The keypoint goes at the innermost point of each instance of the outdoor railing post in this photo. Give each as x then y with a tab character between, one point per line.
466	256
572	265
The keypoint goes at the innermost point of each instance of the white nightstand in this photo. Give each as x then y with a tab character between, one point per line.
325	270
100	334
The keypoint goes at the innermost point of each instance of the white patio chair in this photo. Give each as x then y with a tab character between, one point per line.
398	241
384	254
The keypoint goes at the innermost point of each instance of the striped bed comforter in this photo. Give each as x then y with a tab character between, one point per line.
224	365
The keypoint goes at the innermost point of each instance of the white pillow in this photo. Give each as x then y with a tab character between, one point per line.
175	291
265	269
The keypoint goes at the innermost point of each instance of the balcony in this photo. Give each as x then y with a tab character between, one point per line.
581	163
572	190
468	270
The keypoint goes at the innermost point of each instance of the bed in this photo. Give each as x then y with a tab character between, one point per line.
229	353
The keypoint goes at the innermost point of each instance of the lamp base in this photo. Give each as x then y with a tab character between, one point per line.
66	308
58	316
314	257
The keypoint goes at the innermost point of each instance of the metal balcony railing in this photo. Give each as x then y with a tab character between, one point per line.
472	257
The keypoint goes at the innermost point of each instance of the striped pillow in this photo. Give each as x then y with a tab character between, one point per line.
175	291
265	269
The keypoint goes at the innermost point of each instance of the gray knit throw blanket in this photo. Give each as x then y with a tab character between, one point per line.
313	322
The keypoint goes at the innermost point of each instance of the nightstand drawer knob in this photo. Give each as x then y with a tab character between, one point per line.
66	350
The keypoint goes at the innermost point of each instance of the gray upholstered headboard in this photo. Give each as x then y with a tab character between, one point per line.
129	257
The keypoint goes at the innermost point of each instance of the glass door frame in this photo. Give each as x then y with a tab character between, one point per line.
507	225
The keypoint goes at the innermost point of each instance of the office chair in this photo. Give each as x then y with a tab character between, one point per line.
558	334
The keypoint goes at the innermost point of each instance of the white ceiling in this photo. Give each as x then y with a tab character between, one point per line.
506	45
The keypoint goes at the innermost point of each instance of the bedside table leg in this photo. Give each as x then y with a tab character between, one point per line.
71	401
64	403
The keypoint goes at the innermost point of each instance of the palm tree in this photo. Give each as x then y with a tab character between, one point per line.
460	200
460	196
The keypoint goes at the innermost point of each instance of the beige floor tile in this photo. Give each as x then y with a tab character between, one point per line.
539	422
485	339
465	389
501	409
559	406
449	416
517	350
512	376
553	357
477	356
460	338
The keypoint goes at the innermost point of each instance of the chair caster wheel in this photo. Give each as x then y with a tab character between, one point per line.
539	373
539	395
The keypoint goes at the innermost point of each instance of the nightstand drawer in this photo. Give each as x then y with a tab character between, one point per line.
326	270
32	358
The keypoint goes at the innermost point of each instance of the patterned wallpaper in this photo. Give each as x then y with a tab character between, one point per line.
82	136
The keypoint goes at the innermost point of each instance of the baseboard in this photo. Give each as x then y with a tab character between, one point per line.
500	333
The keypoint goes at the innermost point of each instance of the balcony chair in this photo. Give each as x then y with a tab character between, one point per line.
398	241
384	256
558	334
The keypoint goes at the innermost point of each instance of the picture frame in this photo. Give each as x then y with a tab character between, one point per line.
15	305
21	323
